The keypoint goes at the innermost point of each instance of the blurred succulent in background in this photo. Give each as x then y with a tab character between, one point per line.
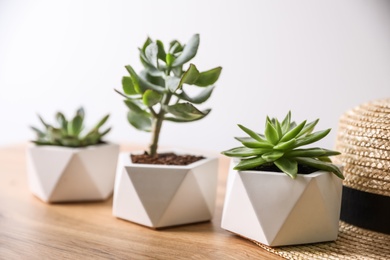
278	146
68	132
159	91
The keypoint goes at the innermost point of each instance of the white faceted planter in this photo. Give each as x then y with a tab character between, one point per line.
64	174
275	210
159	196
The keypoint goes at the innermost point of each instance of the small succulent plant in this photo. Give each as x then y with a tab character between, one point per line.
69	132
159	92
279	146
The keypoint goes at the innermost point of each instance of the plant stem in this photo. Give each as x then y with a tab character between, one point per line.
156	126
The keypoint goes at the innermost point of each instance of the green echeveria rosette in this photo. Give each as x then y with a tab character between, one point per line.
69	132
280	146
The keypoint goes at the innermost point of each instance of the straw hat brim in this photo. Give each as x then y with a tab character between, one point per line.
352	243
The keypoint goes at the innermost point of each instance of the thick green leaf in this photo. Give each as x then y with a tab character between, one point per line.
252	134
105	132
188	119
150	68
151	98
317	164
271	133
311	152
272	156
286	122
288	166
135	106
209	77
43	122
248	164
134	78
39	133
144	84
308	128
151	54
62	122
178	71
80	112
278	127
257	144
293	132
172	83
190	76
139	121
146	44
161	52
311	138
128	86
324	159
244	152
286	145
203	96
175	47
189	51
75	126
185	111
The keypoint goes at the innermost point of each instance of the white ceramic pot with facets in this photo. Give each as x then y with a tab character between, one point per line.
275	210
64	174
159	196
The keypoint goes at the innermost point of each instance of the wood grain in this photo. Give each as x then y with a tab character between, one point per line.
31	229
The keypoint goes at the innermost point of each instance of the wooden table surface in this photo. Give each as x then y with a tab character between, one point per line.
32	229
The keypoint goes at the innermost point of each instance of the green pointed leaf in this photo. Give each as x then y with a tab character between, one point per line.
39	133
272	156
244	152
128	86
286	122
151	52
62	122
293	132
278	128
185	111
252	134
139	121
288	166
324	159
161	51
75	126
209	77
151	98
311	138
308	128
271	133
317	164
248	164
311	152
188	119
189	51
105	132
203	96
43	122
101	122
257	144
286	145
80	112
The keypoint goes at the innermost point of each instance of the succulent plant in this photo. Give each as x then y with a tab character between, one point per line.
69	132
159	93
279	146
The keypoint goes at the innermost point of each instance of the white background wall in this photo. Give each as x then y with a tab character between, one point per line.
316	58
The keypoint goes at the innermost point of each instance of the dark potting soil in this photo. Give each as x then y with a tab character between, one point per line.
302	169
165	158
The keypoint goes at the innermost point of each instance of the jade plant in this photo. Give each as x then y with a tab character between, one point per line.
280	146
161	91
69	132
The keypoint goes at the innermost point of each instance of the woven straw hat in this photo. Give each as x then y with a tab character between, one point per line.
364	233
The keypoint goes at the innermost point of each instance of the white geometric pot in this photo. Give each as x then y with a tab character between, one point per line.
64	174
159	196
273	209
